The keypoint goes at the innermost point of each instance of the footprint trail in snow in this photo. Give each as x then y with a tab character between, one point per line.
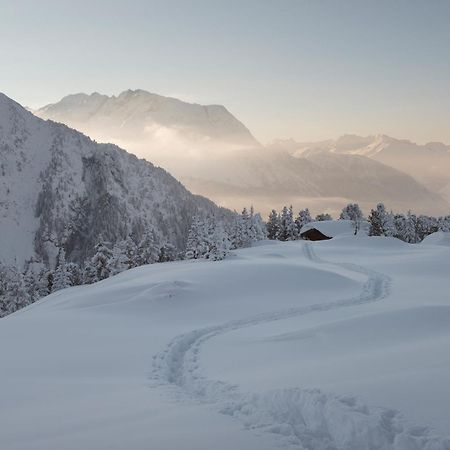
300	418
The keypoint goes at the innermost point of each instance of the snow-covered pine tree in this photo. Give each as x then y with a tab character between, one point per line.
44	282
131	252
61	279
304	217
100	262
381	222
89	275
148	249
196	242
411	223
405	227
167	253
234	231
14	295
352	212
30	280
288	228
218	242
444	223
74	274
273	225
118	262
244	237
258	229
425	225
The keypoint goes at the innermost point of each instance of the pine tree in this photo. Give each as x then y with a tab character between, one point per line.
89	273
148	250
15	296
444	223
425	225
245	237
288	228
75	275
302	219
167	253
381	222
258	229
196	243
352	212
31	284
131	253
61	278
100	261
218	242
273	225
118	262
44	282
405	227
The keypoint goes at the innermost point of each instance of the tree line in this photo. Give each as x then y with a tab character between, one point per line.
209	237
409	227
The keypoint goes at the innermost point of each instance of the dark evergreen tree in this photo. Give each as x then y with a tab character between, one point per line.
273	225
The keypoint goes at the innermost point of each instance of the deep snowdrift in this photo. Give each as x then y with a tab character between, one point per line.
340	344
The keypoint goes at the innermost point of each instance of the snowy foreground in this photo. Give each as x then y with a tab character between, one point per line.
342	344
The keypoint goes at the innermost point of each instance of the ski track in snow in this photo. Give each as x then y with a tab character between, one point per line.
306	419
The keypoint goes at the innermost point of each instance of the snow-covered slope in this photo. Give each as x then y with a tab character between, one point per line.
437	238
57	187
340	345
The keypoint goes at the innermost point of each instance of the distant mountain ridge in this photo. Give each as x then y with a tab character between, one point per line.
215	155
428	163
60	188
138	111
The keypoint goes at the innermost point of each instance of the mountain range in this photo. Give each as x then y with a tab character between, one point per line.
428	163
60	188
215	155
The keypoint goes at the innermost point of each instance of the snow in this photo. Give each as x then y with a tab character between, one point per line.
437	238
340	344
333	228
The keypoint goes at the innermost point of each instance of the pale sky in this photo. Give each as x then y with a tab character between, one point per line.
309	70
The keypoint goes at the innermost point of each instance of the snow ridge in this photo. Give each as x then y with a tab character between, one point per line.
299	418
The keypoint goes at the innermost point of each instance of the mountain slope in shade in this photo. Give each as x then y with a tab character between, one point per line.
58	187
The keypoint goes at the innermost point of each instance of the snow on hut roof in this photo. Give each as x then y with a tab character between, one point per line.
331	228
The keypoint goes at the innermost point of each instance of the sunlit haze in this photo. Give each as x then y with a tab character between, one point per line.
309	70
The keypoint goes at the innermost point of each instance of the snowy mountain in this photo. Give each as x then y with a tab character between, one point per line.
60	188
428	163
215	155
136	115
341	178
340	344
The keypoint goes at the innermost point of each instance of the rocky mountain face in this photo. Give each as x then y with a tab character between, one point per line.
60	188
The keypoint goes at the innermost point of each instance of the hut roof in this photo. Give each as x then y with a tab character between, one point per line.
331	228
